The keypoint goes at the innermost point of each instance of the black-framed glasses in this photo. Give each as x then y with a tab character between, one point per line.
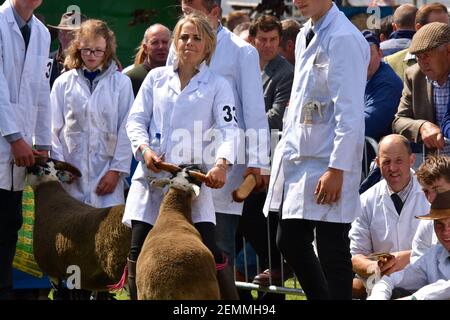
88	52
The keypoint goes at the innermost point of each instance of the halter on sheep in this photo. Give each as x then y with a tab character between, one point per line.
174	263
68	232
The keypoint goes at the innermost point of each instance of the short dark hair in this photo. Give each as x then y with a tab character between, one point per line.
265	23
386	27
290	29
210	4
423	14
433	168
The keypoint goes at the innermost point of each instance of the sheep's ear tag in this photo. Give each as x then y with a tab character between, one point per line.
64	176
196	189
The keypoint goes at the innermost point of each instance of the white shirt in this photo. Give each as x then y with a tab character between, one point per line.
331	71
430	276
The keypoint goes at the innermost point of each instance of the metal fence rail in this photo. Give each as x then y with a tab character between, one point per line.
370	149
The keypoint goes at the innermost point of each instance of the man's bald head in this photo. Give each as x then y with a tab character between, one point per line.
395	139
395	160
405	17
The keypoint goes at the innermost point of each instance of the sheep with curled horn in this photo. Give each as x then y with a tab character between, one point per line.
174	263
68	232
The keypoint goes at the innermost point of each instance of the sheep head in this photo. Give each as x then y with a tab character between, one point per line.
45	170
181	180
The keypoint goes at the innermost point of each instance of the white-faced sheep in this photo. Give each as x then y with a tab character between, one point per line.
174	263
68	232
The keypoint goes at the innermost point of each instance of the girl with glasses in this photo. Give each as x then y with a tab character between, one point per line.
90	103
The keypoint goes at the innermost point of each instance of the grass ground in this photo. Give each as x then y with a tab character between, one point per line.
288	284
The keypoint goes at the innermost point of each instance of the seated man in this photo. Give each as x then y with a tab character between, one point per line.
383	92
434	177
426	88
429	277
434	12
381	98
387	222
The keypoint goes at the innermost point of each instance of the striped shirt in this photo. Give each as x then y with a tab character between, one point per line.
441	95
404	193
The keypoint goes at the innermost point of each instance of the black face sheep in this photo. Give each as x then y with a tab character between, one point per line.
68	232
174	263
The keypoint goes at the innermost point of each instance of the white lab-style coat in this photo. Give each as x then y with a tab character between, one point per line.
380	228
183	119
429	275
424	238
88	131
331	71
238	62
24	91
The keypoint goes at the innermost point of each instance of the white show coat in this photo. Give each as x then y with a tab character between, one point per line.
430	275
88	131
24	91
182	118
238	62
380	228
424	238
332	70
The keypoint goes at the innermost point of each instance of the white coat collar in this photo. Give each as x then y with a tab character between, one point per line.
111	69
414	189
201	76
384	198
221	34
323	22
8	11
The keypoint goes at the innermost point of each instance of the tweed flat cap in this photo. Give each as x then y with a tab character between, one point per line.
430	36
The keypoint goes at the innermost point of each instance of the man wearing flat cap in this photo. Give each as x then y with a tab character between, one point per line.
70	21
426	88
428	277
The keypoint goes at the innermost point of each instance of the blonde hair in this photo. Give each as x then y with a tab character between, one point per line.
91	28
203	28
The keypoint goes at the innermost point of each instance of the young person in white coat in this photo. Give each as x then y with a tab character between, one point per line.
24	116
238	62
428	278
386	226
90	104
316	168
434	177
186	100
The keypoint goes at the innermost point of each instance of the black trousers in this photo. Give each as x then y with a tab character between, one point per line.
139	231
10	223
328	276
253	226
